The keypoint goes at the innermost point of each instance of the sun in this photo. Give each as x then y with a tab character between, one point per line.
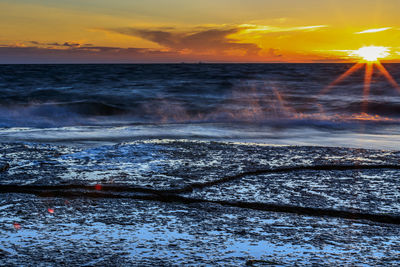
369	57
371	53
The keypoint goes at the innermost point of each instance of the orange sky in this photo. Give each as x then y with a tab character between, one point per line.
46	31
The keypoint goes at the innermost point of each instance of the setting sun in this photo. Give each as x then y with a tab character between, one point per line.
369	56
371	53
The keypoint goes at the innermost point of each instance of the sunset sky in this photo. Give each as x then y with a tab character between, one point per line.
130	31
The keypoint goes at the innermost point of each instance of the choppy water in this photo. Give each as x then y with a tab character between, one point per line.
268	103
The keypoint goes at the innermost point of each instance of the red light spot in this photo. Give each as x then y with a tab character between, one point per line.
66	202
50	210
17	226
97	187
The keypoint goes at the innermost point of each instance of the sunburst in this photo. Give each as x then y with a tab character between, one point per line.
370	53
369	57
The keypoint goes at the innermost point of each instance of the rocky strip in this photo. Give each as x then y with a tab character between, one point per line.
172	198
193	186
171	195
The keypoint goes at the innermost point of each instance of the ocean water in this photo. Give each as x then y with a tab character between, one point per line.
261	103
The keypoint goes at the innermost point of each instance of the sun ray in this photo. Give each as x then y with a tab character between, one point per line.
368	57
369	69
282	101
387	75
350	71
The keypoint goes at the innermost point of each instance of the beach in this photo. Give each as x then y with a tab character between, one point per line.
197	164
173	202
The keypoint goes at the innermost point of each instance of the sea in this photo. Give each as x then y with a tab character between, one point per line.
283	104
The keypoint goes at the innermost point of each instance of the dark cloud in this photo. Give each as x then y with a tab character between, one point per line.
202	41
85	54
51	53
65	44
68	44
206	45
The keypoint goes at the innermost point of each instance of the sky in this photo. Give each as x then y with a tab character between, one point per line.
162	31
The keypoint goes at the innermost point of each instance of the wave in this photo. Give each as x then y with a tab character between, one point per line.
56	114
89	113
380	108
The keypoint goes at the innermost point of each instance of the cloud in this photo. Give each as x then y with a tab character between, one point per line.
66	53
253	28
374	30
206	43
201	41
36	53
215	39
79	54
55	44
68	44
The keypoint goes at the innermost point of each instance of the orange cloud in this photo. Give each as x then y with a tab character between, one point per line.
205	41
252	28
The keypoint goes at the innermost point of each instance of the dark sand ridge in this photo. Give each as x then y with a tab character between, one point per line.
109	191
